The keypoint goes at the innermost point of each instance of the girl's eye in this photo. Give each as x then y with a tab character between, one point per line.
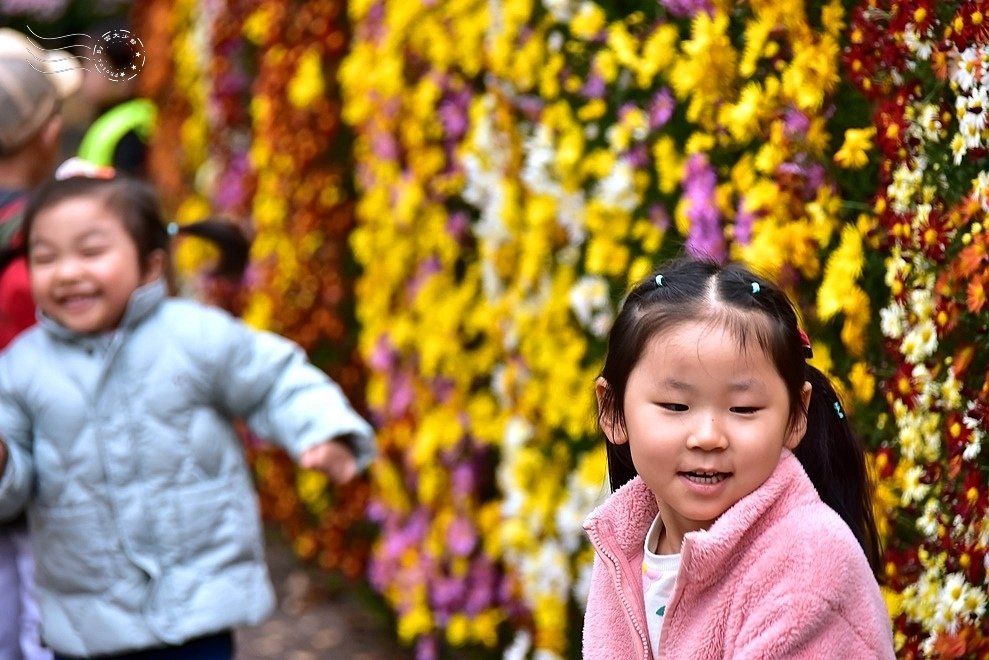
673	407
92	251
42	258
744	410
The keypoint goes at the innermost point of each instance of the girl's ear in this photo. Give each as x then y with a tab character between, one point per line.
796	433
606	418
154	266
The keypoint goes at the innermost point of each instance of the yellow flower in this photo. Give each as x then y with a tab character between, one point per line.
415	623
842	270
257	26
863	382
854	152
743	117
307	84
588	21
668	162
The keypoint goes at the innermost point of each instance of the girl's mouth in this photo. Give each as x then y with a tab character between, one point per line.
706	478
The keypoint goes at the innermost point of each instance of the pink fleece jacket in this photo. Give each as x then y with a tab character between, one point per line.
778	575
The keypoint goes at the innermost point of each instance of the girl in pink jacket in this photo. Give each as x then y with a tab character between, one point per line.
740	524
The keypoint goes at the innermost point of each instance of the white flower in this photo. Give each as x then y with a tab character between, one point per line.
892	320
919	45
589	296
520	647
562	10
618	188
582	585
972	448
913	489
518	432
928	522
963	73
920	342
980	189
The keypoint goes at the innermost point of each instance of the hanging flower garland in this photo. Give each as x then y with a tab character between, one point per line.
925	65
257	130
302	215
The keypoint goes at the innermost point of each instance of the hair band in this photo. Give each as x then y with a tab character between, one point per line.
659	280
172	228
756	288
76	166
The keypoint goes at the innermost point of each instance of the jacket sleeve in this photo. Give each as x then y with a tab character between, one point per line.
15	428
269	382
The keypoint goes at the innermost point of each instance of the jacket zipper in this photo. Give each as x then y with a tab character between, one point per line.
643	638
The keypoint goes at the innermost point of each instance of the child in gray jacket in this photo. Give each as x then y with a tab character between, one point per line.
117	415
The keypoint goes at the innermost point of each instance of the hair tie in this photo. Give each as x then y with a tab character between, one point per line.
756	288
805	344
172	229
659	280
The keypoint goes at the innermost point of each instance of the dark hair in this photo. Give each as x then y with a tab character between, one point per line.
751	308
136	203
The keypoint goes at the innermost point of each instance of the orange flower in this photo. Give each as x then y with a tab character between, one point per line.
976	296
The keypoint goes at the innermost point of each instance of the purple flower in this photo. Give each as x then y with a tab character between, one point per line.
384	146
461	537
638	156
427	648
743	224
796	123
706	237
661	109
594	87
687	8
458	224
383	356
447	594
462	480
659	216
453	114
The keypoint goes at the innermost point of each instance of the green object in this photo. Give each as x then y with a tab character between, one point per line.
101	139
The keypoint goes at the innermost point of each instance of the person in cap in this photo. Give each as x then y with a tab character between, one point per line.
33	84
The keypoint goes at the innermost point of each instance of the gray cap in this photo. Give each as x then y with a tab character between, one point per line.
32	83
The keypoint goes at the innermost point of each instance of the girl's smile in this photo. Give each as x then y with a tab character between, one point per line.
84	265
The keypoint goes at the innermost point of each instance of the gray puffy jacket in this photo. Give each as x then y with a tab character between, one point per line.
141	506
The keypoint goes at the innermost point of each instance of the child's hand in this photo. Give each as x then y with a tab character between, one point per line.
333	459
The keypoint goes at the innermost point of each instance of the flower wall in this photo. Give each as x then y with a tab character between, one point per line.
249	130
517	165
520	163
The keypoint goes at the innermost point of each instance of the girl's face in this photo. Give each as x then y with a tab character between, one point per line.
706	423
84	265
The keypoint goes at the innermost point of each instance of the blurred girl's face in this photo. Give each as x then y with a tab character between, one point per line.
84	265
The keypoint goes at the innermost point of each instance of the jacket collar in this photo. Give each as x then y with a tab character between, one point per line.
625	517
142	302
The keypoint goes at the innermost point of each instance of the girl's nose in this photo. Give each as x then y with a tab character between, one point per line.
67	270
708	435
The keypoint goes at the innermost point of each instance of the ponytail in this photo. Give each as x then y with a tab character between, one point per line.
228	237
834	459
